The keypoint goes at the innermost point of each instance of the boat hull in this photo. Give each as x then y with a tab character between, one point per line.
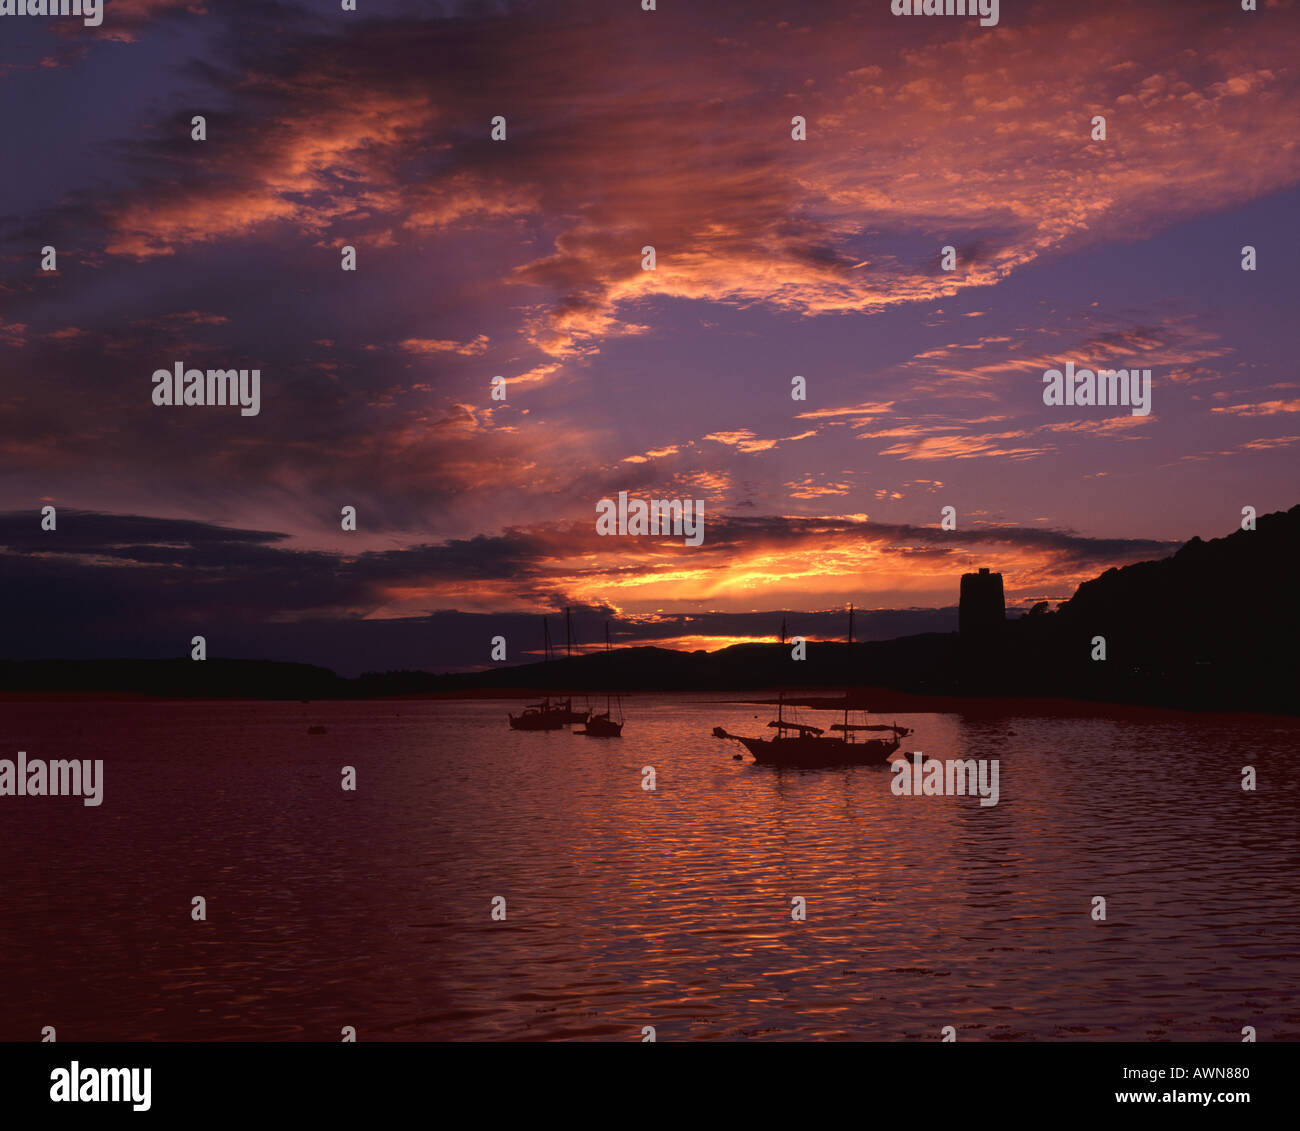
536	721
602	726
809	750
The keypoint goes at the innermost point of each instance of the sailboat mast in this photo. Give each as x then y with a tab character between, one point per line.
847	732
546	651
780	692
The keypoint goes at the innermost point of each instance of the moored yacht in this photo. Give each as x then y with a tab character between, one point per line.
606	724
798	744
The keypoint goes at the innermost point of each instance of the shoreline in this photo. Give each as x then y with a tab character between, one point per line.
875	700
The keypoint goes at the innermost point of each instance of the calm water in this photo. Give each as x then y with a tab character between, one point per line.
628	908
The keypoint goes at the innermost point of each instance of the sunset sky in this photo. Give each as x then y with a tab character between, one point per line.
522	258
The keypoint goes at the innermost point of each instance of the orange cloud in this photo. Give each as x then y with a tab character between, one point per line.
428	346
1263	408
741	214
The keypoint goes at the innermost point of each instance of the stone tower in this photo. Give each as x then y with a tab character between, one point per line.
983	607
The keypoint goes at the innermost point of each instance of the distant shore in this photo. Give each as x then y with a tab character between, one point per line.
880	701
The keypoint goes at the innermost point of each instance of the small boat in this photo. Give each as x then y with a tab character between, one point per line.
316	730
605	725
539	716
548	714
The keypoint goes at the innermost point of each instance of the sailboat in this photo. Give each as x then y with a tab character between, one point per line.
539	716
798	744
565	706
544	715
605	725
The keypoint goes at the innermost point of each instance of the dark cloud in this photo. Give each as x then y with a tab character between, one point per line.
104	585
